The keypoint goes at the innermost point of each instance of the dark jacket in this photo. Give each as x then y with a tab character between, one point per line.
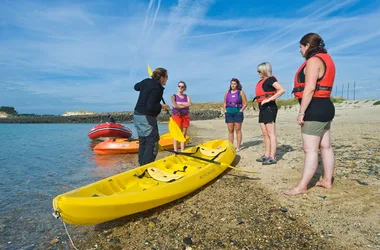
151	92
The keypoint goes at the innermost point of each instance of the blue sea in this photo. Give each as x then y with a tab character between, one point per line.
38	162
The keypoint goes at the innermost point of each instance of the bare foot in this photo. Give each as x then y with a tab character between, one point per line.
324	184
295	191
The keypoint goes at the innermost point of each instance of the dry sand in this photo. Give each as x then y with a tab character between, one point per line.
249	211
349	214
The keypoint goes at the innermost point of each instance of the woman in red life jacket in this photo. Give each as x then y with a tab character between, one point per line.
235	102
181	113
267	91
313	85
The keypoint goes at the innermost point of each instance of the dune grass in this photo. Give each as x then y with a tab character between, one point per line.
287	103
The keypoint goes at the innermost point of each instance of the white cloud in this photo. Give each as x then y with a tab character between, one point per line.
81	55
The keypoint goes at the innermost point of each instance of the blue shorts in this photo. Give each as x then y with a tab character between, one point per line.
234	117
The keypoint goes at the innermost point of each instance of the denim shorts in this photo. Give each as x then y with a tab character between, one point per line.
234	117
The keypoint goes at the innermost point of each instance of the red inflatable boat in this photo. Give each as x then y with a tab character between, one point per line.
109	129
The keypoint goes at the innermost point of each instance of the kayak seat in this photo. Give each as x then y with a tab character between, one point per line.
211	151
163	176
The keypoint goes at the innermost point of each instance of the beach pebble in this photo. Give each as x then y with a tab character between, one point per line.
362	183
145	242
220	244
284	209
53	241
188	240
106	232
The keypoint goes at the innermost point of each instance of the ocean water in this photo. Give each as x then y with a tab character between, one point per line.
38	162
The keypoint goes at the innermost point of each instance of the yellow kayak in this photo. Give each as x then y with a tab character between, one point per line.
145	187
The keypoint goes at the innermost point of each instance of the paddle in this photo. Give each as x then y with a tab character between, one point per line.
174	130
208	160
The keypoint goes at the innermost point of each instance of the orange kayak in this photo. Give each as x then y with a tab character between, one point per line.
127	146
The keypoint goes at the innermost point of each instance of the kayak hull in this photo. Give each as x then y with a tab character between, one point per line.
109	129
135	190
126	146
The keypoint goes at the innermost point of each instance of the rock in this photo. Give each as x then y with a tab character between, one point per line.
284	209
54	241
188	240
220	244
362	183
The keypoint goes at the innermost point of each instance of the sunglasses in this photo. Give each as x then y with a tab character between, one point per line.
259	71
181	86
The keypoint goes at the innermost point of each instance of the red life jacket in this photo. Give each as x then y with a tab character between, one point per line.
261	95
324	85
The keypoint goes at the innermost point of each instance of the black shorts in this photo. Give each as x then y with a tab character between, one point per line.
268	115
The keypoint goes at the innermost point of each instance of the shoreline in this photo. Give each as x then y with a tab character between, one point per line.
243	211
120	117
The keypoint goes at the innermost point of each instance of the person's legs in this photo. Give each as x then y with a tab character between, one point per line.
147	131
143	129
310	147
151	150
177	120
239	136
266	140
327	160
142	146
185	123
184	131
230	127
271	131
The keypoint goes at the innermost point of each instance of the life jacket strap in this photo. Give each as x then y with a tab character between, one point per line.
319	87
263	96
298	89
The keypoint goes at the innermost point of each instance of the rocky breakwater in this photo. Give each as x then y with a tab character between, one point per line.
120	117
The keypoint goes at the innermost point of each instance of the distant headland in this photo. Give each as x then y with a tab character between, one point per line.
199	111
10	115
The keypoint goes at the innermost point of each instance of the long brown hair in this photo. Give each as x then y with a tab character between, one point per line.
317	45
157	73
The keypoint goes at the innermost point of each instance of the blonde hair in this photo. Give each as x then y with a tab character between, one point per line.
265	68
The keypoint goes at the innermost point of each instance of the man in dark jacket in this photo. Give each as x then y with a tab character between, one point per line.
148	107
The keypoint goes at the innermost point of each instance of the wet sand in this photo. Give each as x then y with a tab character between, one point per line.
249	211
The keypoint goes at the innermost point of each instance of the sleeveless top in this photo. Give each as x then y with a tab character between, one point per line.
183	111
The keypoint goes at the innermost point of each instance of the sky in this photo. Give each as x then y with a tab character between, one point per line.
58	56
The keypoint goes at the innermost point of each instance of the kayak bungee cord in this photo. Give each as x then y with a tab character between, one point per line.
57	215
67	232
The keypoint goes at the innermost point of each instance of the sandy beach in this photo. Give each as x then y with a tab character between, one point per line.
349	213
249	211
